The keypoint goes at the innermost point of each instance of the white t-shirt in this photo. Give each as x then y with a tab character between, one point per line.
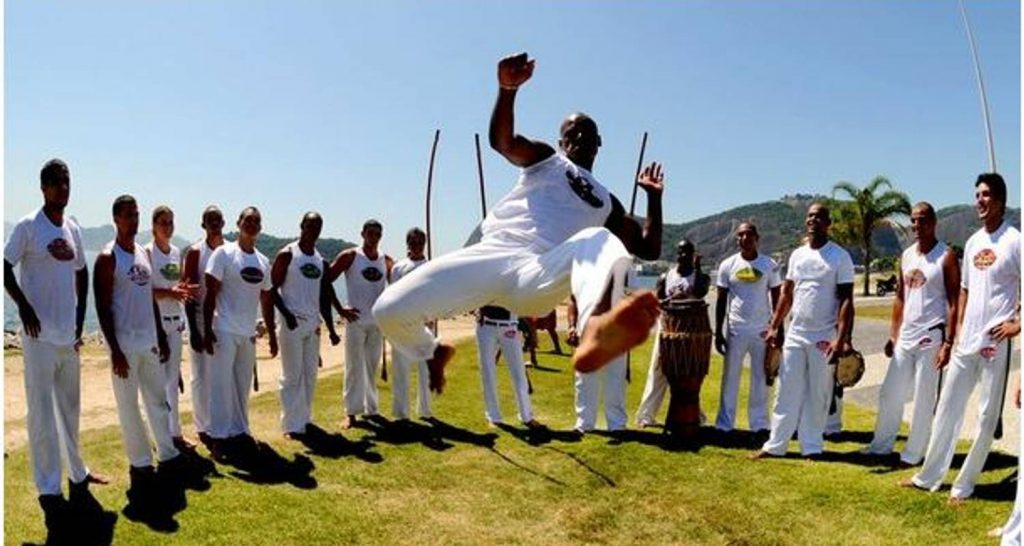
404	267
552	201
301	288
678	286
816	275
924	296
365	279
49	256
242	276
132	305
167	274
749	283
991	275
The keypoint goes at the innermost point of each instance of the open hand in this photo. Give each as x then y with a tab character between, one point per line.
29	320
1006	330
120	364
652	179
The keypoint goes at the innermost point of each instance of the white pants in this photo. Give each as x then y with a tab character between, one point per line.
172	371
300	356
52	398
655	387
962	373
230	375
199	385
803	398
146	376
401	372
909	368
588	386
740	345
505	274
506	336
363	350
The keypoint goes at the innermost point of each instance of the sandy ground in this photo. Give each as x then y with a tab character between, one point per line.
99	408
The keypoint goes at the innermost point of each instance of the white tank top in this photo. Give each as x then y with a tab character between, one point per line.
167	274
551	201
134	323
301	288
364	281
678	286
924	296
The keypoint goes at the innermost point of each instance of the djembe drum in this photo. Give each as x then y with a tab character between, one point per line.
684	351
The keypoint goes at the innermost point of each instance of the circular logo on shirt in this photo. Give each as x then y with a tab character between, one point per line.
372	274
60	250
749	274
984	259
252	275
583	189
914	278
138	275
171	272
310	271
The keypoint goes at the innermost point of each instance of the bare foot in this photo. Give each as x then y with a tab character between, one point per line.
98	479
909	483
613	333
956	502
442	355
994	532
762	455
348	422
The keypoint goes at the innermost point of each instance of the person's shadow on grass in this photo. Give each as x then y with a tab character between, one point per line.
258	463
433	433
80	520
321	443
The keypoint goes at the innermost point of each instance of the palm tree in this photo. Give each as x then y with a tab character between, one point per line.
866	209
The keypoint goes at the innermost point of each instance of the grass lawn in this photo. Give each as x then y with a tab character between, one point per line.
878	312
464	484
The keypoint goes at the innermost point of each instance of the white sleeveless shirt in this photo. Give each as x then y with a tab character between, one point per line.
551	201
167	274
132	306
301	288
365	279
924	296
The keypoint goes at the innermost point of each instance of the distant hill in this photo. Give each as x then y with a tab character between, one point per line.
269	245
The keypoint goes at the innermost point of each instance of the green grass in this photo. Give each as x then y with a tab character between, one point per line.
597	490
876	312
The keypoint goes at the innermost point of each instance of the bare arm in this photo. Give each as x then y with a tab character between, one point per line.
844	329
103	286
191	274
327	297
951	277
514	71
643	242
209	305
782	308
267	305
341	263
896	318
572	315
278	274
720	305
163	348
29	320
82	293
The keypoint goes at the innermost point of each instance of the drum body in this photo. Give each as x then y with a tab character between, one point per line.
684	353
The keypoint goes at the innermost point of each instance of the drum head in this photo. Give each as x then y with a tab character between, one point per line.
849	369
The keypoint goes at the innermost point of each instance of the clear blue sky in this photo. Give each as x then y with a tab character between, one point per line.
332	106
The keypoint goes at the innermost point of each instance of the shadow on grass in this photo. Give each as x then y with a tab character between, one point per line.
541	435
81	520
256	462
321	443
584	464
435	434
1003	490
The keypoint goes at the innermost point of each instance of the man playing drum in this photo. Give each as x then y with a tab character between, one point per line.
819	290
683	283
745	281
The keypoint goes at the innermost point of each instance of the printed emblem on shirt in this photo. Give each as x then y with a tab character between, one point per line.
138	275
171	272
583	189
60	250
749	274
984	259
310	271
372	274
252	275
925	341
914	278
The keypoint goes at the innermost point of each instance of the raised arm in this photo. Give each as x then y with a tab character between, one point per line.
514	71
645	243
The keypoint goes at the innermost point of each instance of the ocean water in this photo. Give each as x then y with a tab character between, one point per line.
12	323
